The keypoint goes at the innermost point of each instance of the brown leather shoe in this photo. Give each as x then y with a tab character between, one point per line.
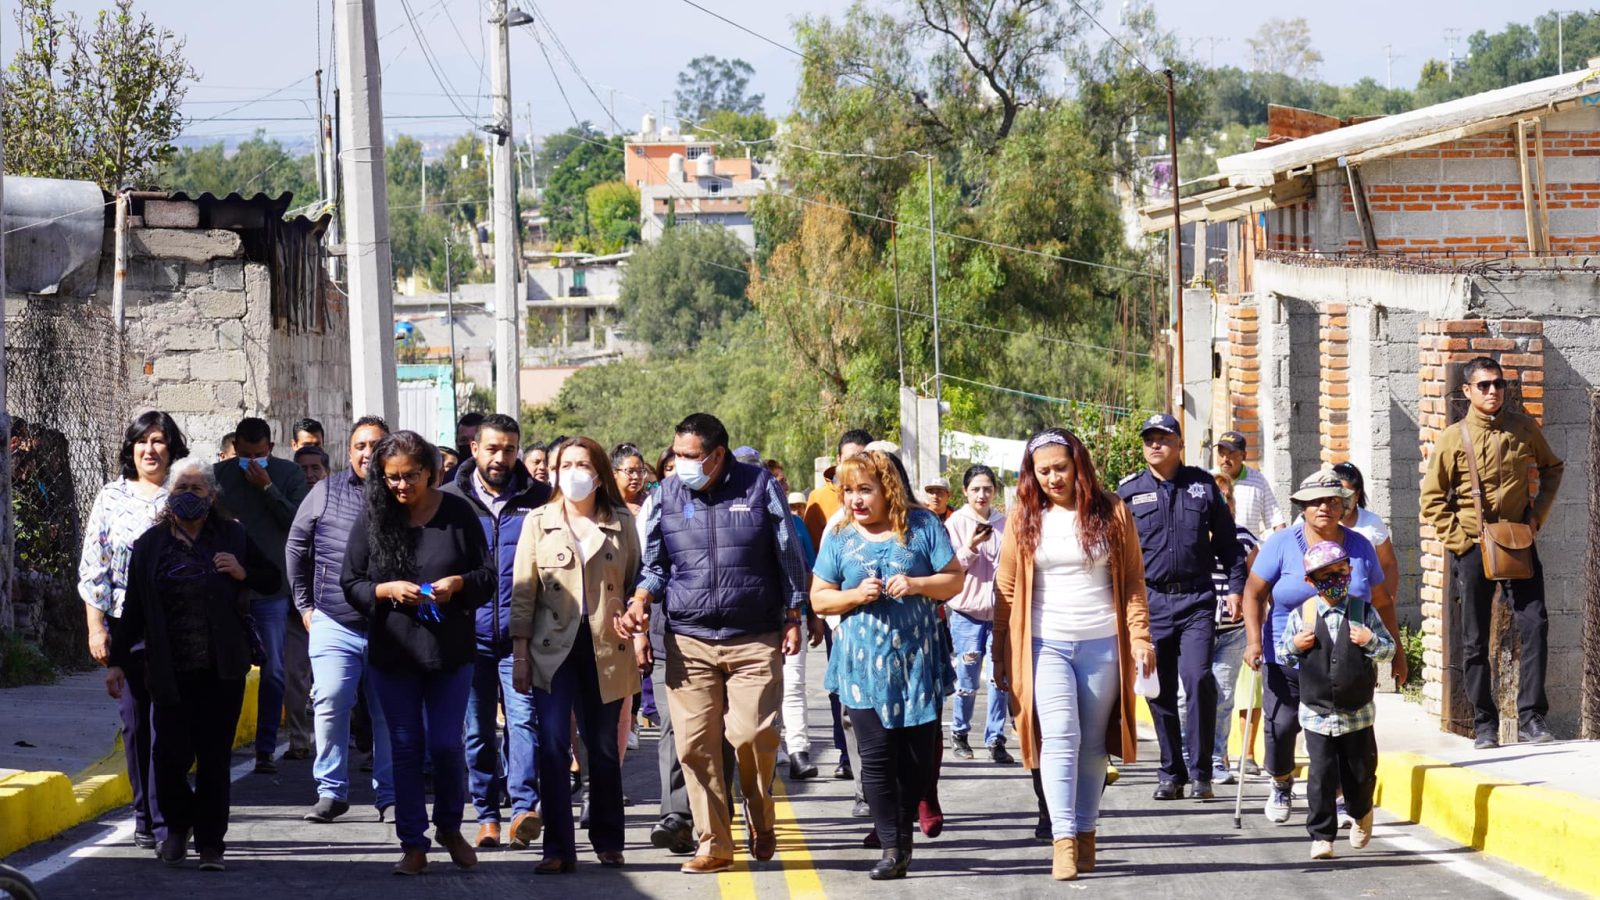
763	844
525	829
555	865
706	865
1085	851
612	859
488	835
414	861
461	852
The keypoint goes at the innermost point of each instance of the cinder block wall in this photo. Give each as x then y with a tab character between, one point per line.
1466	196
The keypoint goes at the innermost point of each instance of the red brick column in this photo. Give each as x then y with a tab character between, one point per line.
1518	345
1244	376
1333	402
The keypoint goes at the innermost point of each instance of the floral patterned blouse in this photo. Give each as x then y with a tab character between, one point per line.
118	518
889	656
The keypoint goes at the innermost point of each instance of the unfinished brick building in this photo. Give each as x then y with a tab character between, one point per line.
1366	261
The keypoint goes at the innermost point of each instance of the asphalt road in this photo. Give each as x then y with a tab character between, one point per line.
1147	849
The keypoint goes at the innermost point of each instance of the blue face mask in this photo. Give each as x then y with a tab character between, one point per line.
692	472
244	462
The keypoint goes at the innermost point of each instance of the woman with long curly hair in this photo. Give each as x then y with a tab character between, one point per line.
1070	626
417	566
883	570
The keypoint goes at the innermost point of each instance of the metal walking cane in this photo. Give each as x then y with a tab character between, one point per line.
1245	748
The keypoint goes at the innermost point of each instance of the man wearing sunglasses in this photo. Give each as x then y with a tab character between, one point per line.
1507	445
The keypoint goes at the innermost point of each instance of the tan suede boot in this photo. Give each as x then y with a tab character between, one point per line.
1065	865
1085	851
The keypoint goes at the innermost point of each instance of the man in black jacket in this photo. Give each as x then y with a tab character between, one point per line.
500	489
264	492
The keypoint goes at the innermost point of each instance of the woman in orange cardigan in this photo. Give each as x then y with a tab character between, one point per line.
1070	623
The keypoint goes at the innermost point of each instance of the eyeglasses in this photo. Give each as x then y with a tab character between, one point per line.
411	477
634	472
1483	387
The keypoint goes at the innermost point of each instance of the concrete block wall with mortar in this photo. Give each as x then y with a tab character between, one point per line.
1466	196
202	343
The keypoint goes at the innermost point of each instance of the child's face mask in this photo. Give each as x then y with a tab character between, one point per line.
1332	584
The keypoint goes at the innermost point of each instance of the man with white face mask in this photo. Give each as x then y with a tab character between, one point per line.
720	554
494	481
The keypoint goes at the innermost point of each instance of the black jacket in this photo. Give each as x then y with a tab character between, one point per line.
501	535
144	615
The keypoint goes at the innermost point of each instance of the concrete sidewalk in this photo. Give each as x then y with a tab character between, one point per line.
61	759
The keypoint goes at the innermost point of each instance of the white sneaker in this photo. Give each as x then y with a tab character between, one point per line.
1279	801
1361	831
1345	819
633	740
1322	849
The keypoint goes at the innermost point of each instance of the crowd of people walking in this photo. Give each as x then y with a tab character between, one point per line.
491	628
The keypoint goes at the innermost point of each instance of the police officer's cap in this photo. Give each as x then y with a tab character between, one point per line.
1159	422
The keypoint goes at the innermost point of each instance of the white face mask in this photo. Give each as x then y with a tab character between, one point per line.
576	484
692	472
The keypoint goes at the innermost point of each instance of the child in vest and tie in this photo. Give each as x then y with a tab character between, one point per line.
1337	648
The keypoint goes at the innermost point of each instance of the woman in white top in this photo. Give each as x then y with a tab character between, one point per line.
1371	526
1070	626
123	511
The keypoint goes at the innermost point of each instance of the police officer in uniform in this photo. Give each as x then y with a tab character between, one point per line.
1185	530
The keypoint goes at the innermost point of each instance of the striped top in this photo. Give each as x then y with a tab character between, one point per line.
1219	581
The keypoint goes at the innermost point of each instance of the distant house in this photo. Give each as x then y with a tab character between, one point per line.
680	179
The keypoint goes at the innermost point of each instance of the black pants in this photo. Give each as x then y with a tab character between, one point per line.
1184	627
1477	615
1280	709
834	709
1349	761
197	730
897	766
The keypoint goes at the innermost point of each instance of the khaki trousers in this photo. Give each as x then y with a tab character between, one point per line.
729	690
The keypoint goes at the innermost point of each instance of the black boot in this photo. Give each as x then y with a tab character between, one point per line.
895	862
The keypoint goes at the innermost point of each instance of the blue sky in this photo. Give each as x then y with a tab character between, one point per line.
245	50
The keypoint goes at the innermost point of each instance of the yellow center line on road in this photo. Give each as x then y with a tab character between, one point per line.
799	872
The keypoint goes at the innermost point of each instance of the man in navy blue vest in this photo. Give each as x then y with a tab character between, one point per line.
721	556
493	480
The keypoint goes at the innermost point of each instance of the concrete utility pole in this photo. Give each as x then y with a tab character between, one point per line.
1175	388
1451	36
507	350
7	530
366	215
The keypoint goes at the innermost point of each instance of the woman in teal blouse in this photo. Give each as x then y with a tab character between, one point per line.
884	569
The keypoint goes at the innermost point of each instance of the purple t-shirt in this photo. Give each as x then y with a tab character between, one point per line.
1281	564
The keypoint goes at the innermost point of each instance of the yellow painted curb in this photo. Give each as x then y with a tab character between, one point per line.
1549	832
39	805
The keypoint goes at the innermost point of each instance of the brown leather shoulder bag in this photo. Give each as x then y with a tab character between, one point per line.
1507	546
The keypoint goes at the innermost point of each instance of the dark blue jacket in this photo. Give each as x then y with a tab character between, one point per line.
727	575
314	552
494	619
1185	531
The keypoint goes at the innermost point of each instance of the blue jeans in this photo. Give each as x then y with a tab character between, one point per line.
495	766
271	615
338	662
1076	684
575	688
425	712
972	657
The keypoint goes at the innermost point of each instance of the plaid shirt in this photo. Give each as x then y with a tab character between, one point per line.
1256	507
1380	648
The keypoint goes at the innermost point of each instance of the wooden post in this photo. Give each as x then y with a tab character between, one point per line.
1530	214
1358	199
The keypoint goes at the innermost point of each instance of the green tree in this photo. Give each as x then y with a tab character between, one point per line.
257	165
555	148
1283	46
729	129
613	215
99	104
565	194
686	285
710	83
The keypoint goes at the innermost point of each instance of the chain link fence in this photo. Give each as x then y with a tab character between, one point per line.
66	391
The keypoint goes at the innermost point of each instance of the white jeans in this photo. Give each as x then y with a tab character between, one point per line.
795	736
